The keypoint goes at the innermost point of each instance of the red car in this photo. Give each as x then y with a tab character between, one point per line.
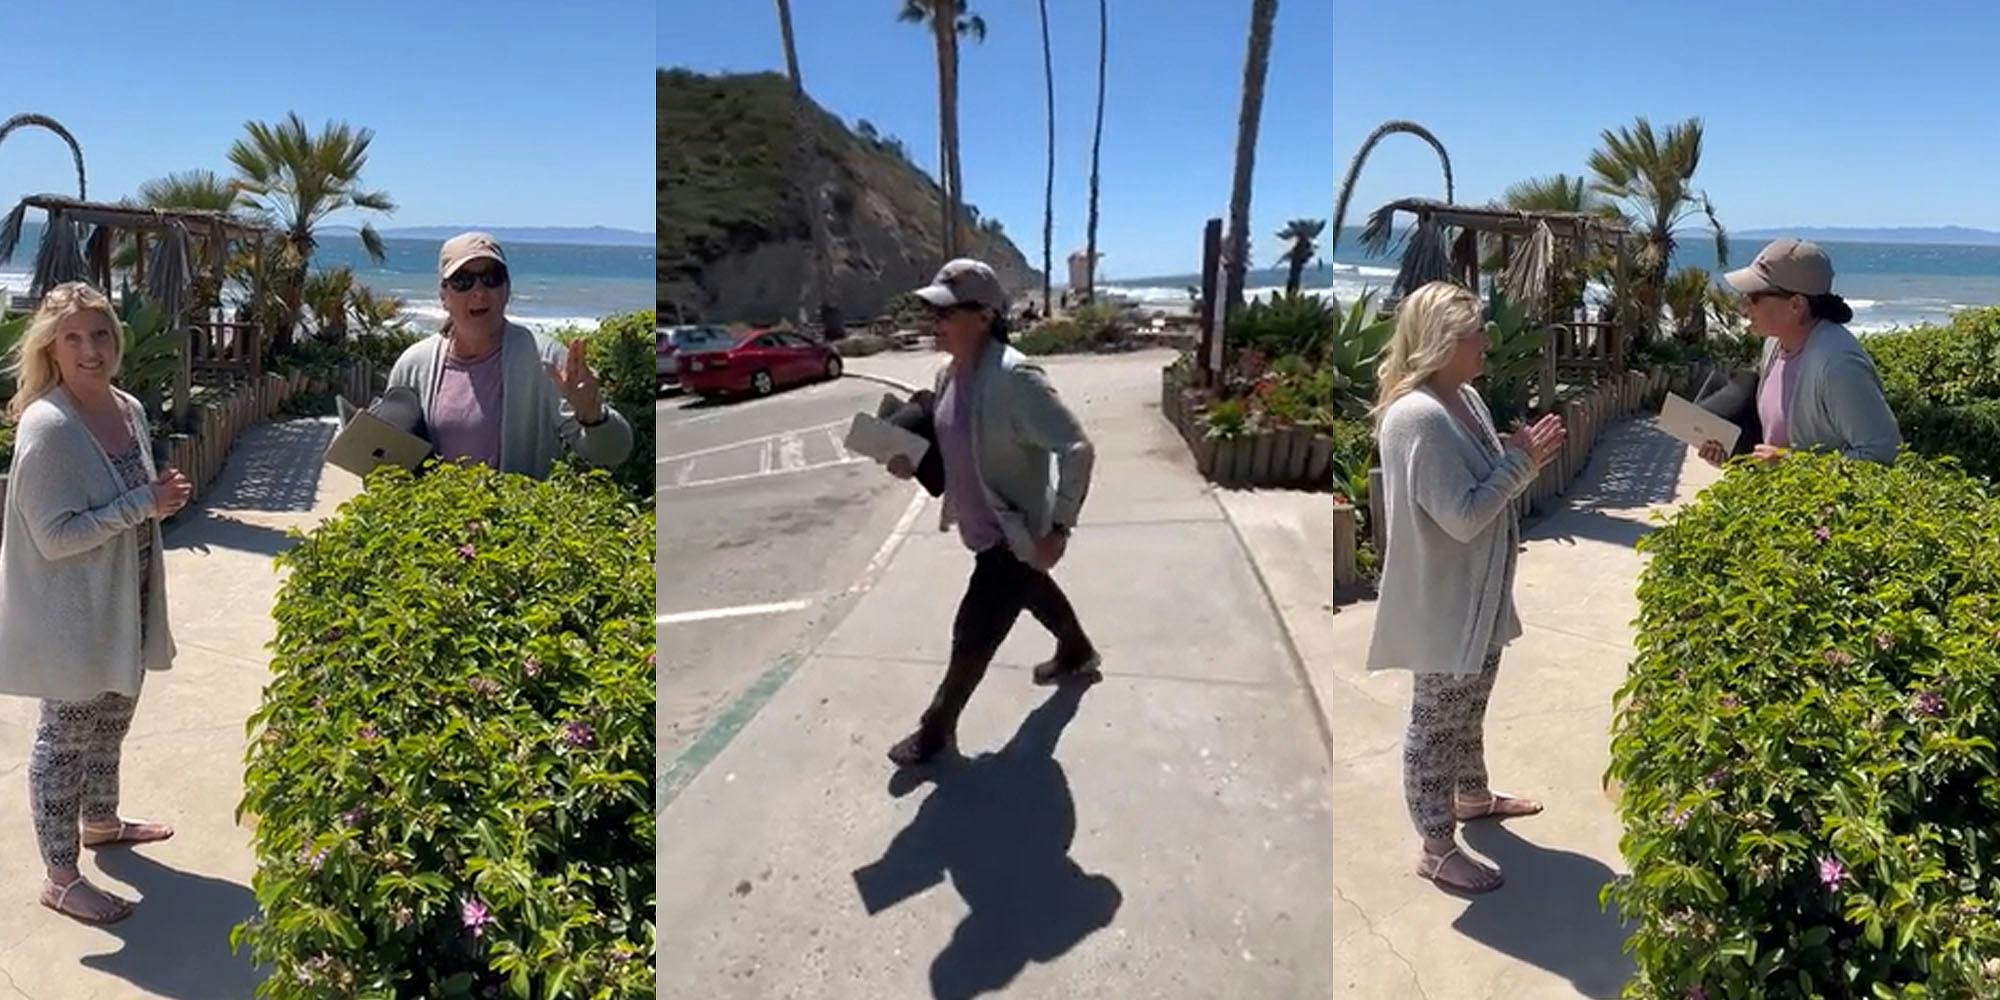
759	362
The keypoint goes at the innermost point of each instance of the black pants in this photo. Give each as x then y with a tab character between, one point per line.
1002	586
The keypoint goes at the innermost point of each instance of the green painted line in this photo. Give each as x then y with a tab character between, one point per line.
710	745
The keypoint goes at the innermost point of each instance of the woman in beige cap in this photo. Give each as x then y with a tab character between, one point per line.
82	583
1816	387
494	392
1447	607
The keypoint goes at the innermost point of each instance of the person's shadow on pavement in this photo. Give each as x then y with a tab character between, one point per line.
177	938
1547	913
1000	825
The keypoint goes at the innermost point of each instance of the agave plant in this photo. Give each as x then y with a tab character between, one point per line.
1354	349
1515	343
152	350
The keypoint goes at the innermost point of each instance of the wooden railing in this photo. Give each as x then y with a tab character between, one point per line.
225	351
1587	346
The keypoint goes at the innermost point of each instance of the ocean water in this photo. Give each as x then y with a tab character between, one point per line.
1889	284
554	285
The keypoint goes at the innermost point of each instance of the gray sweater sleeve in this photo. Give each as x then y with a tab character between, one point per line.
1046	423
1442	486
1858	410
47	461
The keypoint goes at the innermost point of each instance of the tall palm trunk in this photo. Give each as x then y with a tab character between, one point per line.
807	170
1096	145
1049	178
1256	66
944	26
1387	128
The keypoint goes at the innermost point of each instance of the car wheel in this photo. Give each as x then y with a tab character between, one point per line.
833	367
761	383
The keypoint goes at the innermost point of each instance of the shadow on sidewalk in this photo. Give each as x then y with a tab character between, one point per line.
1547	914
177	940
206	530
279	471
1638	471
1000	825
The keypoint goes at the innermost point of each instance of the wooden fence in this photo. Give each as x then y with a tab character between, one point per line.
219	420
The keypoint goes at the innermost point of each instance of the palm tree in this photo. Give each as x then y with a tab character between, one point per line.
947	19
1256	66
1382	131
1096	144
1304	234
1049	182
298	179
1556	193
807	167
45	122
1650	177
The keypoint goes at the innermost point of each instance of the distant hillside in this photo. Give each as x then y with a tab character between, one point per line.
1947	235
734	240
588	236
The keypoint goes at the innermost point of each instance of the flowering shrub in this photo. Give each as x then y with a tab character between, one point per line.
622	352
1811	792
452	770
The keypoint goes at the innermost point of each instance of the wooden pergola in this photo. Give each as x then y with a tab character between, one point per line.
1528	239
214	350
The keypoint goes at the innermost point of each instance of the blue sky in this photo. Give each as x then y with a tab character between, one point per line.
1172	91
1816	114
499	113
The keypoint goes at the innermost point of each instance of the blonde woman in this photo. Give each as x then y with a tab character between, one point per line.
82	583
1446	604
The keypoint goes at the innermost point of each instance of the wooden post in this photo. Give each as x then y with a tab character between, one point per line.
1346	570
140	268
1211	260
1625	317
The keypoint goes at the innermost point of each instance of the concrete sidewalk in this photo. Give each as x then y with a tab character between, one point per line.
1542	934
1161	834
184	759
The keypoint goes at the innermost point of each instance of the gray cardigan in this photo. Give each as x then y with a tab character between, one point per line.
536	423
69	564
1448	577
1837	402
1020	426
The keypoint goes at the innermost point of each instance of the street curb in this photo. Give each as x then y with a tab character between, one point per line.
1320	717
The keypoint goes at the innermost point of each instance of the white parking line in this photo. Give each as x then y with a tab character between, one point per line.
766	439
697	484
740	611
791	452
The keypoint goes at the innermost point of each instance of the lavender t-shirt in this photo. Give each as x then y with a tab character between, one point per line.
465	414
1774	394
978	527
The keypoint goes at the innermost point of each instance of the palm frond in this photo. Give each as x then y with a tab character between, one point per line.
973	26
1378	237
1526	279
10	232
371	241
1424	258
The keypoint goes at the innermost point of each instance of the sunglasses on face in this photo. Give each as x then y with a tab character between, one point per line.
940	312
1761	296
464	280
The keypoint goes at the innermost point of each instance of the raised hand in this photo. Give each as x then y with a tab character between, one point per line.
1540	439
578	384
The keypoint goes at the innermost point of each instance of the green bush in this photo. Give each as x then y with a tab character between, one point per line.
452	770
862	345
622	351
1087	329
1811	795
1970	433
1948	365
1297	325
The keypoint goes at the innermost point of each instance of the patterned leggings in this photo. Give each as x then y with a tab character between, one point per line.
1445	749
73	771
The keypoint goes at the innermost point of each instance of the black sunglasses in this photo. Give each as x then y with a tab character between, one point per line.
464	280
1775	293
940	312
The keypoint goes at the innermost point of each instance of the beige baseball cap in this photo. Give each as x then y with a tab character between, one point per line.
965	282
1786	265
465	248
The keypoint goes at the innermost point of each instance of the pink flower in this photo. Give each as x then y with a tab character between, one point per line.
1839	658
531	667
369	734
1822	533
578	735
466	551
1697	993
475	916
1884	641
1678	818
1929	703
1831	873
1731	701
650	659
484	685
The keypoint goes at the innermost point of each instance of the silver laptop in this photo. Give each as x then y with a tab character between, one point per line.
383	434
